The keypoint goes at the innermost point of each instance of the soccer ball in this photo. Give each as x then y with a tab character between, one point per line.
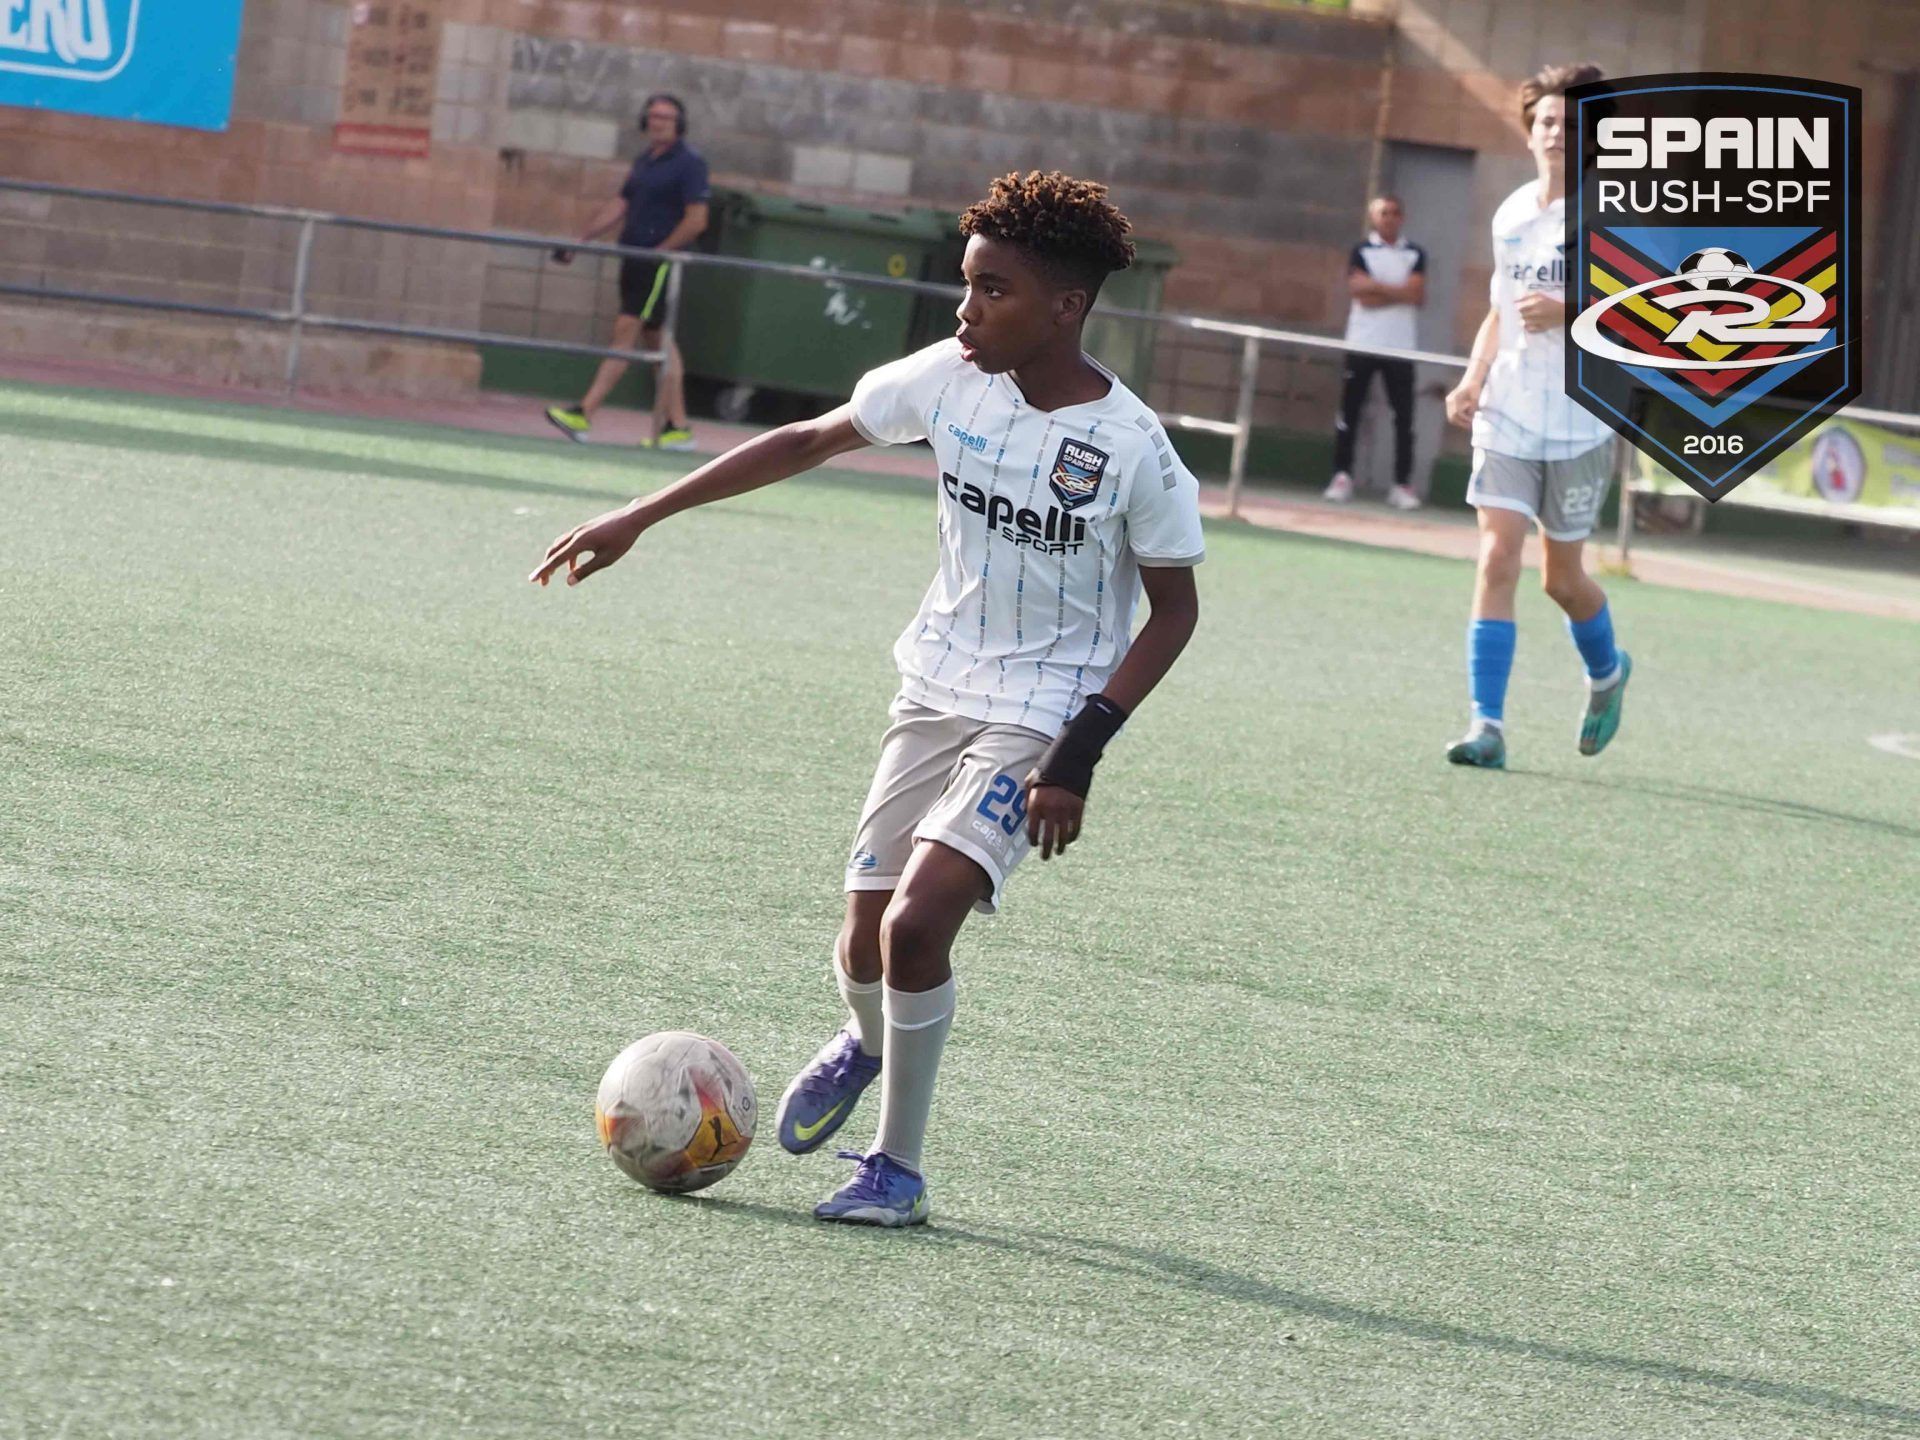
1713	268
676	1111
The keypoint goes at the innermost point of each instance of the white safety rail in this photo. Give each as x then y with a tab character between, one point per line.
299	316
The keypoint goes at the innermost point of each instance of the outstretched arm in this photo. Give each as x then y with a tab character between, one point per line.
763	460
1055	809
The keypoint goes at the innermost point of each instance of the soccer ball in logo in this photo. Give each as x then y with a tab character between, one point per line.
676	1111
1714	268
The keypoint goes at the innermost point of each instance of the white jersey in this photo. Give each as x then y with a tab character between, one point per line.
1046	517
1393	262
1524	408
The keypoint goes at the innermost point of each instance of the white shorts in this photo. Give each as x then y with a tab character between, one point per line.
948	778
1564	496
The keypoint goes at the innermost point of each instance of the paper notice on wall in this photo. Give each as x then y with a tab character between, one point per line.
393	59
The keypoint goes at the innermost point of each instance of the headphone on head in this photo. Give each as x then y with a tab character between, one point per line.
679	109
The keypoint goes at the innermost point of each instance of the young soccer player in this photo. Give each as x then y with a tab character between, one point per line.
1059	502
1538	458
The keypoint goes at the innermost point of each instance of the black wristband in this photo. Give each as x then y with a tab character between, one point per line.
1068	762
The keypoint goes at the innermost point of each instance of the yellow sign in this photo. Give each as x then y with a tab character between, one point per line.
1844	462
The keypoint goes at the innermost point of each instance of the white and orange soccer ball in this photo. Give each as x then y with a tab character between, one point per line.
676	1111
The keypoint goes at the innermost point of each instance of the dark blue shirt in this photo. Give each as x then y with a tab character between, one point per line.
658	191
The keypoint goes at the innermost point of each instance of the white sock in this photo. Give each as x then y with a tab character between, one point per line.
869	1025
917	1025
1608	680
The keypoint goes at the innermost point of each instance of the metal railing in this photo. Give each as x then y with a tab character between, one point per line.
300	316
1627	473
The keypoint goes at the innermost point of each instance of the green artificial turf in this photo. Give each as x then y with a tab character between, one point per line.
1322	1090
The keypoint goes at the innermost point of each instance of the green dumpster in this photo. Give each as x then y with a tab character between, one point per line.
1123	346
1126	346
755	330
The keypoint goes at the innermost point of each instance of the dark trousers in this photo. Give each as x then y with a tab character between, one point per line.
1397	376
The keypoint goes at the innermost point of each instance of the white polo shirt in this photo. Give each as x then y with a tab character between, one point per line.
1391	263
1524	409
1045	518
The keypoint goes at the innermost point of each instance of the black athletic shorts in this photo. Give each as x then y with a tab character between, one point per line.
643	289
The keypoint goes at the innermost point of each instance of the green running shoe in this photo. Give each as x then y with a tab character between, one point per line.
1602	715
1483	746
675	437
570	420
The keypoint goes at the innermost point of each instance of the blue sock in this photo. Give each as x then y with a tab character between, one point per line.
1595	639
1489	662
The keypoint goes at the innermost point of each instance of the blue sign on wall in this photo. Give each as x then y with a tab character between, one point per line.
167	62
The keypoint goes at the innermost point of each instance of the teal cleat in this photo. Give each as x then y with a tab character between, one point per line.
1602	715
1483	746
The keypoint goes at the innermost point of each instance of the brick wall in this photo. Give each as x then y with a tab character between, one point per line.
1240	133
1243	134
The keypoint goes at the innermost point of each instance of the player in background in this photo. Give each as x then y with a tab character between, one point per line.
1059	502
1538	457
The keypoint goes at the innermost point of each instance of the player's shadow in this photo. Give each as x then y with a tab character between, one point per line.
1726	799
1140	1263
711	1204
249	451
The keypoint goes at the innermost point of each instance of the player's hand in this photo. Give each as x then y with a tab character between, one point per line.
1541	311
591	547
562	255
1053	817
1463	400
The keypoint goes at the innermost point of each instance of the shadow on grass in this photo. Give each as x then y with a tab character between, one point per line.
161	441
649	472
1140	1263
708	1203
1681	791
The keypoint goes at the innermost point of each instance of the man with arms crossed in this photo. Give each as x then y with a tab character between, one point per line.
1387	278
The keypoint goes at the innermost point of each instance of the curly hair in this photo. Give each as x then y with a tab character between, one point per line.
1068	225
1553	80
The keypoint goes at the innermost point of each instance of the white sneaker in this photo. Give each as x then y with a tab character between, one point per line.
1401	497
1339	488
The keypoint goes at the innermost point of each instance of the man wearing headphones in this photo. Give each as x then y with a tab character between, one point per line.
662	206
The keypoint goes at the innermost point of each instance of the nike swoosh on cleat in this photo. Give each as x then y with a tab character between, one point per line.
807	1132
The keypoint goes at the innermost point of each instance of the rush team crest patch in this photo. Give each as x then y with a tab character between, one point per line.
1713	221
1076	473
